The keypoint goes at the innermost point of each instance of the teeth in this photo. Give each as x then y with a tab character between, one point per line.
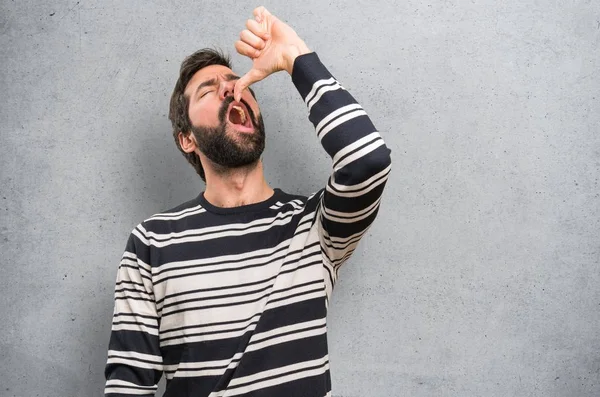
241	112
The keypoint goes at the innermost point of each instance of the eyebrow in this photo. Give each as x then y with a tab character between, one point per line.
211	82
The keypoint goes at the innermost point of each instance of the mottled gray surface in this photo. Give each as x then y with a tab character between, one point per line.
481	276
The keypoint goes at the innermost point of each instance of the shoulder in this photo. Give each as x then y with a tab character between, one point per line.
167	220
298	201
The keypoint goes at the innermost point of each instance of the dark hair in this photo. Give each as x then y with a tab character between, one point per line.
178	108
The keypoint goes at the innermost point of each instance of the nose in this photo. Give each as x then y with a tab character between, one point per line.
226	89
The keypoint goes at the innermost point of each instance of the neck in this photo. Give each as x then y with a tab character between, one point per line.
227	188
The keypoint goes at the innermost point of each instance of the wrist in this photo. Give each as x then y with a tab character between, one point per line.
294	51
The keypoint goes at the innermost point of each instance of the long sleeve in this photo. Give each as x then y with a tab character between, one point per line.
134	364
361	161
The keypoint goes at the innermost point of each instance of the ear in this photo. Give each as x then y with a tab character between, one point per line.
187	142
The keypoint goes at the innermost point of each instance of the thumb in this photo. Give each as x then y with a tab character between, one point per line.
244	82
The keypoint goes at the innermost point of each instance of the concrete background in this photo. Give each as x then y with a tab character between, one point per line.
481	276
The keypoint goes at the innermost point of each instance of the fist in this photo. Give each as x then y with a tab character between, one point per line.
271	44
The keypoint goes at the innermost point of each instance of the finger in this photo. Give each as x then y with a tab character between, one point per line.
250	38
244	82
257	29
246	49
260	13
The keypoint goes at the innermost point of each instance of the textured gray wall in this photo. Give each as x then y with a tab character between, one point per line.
481	276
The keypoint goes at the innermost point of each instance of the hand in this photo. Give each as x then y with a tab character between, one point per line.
271	44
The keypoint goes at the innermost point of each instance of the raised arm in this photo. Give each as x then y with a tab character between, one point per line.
361	161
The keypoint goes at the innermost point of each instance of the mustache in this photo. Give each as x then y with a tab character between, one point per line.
225	105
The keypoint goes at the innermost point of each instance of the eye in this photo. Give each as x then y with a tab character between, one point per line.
205	93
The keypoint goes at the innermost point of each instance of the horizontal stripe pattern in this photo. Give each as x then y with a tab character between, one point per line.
234	303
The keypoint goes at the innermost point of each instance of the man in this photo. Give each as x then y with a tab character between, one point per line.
227	294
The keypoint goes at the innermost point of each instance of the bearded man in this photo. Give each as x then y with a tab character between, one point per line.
227	294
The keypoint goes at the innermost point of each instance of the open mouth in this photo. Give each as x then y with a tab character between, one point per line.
238	116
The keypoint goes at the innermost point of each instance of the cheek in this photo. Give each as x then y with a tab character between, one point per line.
204	114
252	102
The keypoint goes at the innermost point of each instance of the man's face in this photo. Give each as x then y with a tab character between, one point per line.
230	134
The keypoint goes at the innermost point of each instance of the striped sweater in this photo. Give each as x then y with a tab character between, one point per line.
233	301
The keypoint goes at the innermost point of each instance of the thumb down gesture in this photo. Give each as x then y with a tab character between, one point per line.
271	44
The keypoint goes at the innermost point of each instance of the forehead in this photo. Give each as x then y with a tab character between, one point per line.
205	74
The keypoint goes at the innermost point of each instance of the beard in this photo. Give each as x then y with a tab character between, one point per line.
229	151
